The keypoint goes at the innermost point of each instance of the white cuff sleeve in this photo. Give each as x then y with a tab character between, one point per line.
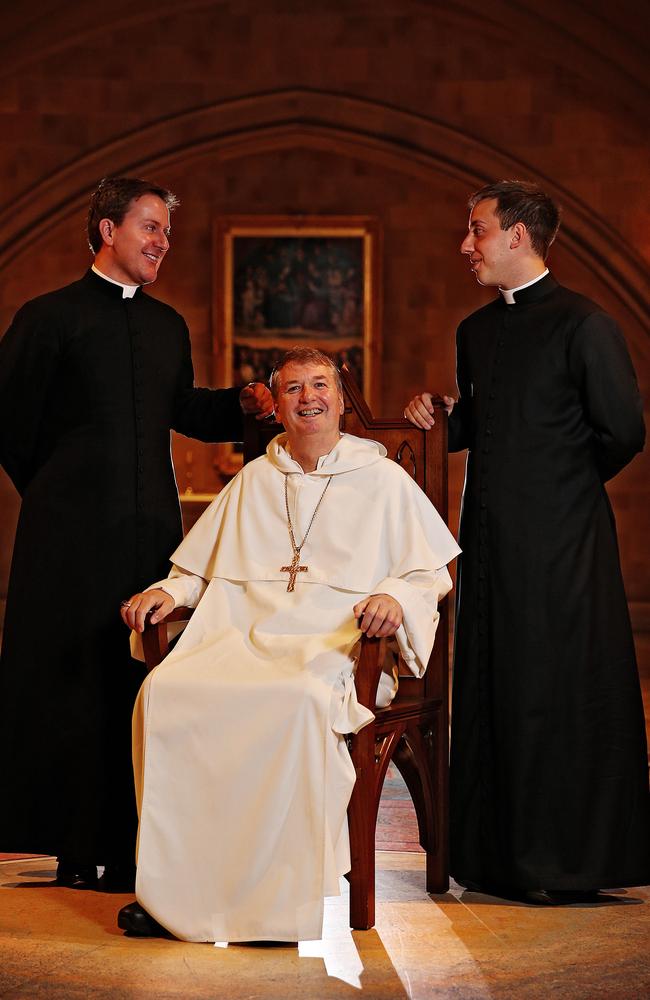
185	588
418	594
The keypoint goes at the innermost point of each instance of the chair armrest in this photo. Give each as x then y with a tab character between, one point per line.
155	642
368	672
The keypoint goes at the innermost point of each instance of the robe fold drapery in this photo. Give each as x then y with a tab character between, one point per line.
242	769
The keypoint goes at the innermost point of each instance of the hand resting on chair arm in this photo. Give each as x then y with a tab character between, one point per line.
179	589
380	615
135	611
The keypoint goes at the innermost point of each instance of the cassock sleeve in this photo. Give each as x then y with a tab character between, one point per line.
613	408
459	425
205	414
29	357
418	593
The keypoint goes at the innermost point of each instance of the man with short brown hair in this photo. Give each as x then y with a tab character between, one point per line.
549	770
92	378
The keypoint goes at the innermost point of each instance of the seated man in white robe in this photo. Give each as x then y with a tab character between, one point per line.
242	770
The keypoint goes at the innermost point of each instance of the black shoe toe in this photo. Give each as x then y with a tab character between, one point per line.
138	923
561	897
75	875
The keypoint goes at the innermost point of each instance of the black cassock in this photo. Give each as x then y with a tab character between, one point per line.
549	770
90	385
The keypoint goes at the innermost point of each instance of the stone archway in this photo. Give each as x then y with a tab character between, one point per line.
404	141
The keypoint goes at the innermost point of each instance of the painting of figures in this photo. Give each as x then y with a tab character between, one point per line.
285	282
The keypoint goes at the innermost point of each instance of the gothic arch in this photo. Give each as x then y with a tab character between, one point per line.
369	130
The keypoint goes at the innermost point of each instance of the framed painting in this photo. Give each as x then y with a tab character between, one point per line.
286	281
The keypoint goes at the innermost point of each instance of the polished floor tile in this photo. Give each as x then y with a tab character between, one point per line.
63	944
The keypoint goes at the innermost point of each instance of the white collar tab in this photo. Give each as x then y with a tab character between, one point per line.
128	291
509	293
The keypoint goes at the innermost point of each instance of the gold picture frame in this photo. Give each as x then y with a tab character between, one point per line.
284	281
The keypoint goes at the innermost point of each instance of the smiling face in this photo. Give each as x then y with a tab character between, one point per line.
132	252
308	404
491	249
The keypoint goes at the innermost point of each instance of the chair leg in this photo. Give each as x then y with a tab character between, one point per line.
421	758
437	874
436	739
362	888
361	812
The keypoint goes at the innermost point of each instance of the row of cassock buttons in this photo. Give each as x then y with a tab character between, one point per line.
483	514
138	398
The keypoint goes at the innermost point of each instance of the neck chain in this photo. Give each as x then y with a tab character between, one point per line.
295	568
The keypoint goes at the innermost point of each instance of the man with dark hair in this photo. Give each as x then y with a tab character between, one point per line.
112	200
92	378
519	201
549	779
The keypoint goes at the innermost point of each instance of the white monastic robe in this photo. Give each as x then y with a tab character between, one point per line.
242	769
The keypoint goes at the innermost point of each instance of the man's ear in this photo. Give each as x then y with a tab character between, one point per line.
106	230
341	404
518	235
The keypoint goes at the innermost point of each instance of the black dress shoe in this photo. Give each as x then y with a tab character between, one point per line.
75	875
561	897
117	878
138	923
486	889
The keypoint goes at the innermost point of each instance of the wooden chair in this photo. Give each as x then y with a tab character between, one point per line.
413	730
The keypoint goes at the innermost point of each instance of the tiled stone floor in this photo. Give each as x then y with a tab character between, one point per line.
63	944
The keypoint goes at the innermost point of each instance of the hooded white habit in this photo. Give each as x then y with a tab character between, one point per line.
242	770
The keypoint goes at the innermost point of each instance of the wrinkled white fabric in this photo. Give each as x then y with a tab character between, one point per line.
242	771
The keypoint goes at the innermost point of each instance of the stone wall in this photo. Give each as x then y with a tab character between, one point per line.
395	109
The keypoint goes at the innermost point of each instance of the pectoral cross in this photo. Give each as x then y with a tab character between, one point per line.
293	571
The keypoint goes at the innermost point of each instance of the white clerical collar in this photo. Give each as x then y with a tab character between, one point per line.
509	293
128	291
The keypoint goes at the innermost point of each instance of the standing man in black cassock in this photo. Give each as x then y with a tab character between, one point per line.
92	378
549	769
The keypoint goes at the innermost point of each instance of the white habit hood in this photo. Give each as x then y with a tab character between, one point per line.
376	512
